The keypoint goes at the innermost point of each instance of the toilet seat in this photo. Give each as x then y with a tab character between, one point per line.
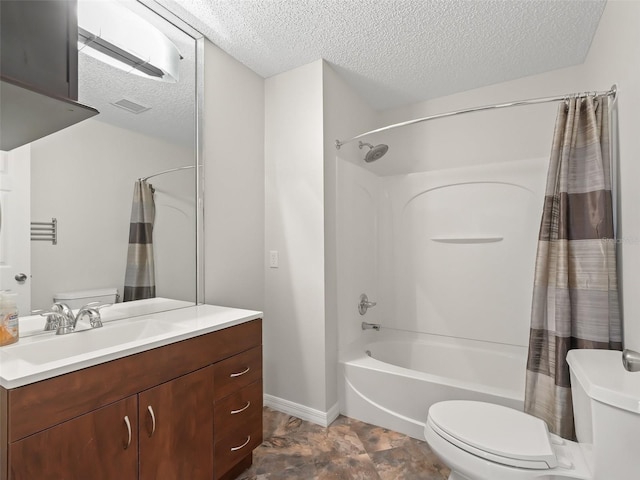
495	433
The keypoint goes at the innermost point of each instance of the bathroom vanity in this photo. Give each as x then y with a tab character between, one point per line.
180	405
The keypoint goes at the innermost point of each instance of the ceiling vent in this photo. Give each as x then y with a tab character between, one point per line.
130	106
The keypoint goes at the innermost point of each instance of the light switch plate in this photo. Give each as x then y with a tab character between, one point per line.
273	259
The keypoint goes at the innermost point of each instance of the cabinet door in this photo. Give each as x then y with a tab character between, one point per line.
101	445
176	429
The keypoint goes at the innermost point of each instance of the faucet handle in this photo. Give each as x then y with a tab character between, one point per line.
53	318
365	304
93	310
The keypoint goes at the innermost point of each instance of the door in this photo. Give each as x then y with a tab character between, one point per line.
176	428
101	445
15	243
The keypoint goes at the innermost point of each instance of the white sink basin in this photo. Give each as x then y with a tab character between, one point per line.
52	347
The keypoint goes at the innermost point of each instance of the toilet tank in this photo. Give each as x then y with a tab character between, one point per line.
606	407
80	298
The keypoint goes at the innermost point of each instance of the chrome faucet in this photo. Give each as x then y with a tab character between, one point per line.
61	318
371	326
67	323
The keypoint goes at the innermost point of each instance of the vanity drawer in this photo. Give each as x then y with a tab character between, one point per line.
240	408
233	448
237	372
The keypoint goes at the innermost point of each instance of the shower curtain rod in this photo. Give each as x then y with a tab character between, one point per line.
144	179
558	98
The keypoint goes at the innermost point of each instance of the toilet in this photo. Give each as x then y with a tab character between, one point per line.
483	441
80	298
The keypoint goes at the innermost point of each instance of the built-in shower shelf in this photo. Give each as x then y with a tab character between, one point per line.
468	239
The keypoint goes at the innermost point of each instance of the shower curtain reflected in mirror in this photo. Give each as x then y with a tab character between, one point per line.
140	282
575	294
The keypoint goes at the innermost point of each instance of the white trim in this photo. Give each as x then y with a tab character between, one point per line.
303	412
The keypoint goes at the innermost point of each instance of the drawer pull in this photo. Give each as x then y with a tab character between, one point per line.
233	412
153	420
239	374
128	424
235	449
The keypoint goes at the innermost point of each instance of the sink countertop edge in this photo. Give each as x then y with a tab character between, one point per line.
196	320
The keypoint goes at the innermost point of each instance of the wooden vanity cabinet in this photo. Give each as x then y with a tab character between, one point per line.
153	415
237	412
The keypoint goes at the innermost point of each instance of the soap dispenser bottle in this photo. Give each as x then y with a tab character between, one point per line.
9	328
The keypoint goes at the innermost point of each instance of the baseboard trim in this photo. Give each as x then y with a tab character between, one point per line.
303	412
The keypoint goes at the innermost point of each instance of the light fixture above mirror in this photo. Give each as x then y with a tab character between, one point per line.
116	36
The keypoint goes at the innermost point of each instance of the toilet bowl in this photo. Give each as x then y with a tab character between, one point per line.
482	441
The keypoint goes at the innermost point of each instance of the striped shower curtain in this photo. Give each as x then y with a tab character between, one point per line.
140	279
575	294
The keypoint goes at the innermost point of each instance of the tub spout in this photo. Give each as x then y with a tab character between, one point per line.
371	326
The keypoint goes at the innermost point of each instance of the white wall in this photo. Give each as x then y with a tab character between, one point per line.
234	182
614	57
84	176
479	138
294	335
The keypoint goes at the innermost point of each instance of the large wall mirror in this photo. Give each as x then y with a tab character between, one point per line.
84	176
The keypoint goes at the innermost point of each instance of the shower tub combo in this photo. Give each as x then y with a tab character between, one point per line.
390	378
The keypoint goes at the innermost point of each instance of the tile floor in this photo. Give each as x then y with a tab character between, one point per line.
348	449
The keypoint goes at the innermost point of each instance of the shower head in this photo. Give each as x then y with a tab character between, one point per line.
374	153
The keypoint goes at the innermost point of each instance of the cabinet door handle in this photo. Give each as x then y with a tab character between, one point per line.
153	420
128	424
234	449
233	412
239	374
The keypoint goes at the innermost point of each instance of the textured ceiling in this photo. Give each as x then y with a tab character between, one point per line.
396	52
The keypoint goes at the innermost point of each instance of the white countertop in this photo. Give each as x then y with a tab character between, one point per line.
184	323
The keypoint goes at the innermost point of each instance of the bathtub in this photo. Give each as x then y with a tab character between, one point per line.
390	378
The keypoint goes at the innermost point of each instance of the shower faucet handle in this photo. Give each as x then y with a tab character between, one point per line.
365	304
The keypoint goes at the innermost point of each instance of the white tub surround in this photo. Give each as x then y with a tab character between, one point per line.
404	373
41	356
